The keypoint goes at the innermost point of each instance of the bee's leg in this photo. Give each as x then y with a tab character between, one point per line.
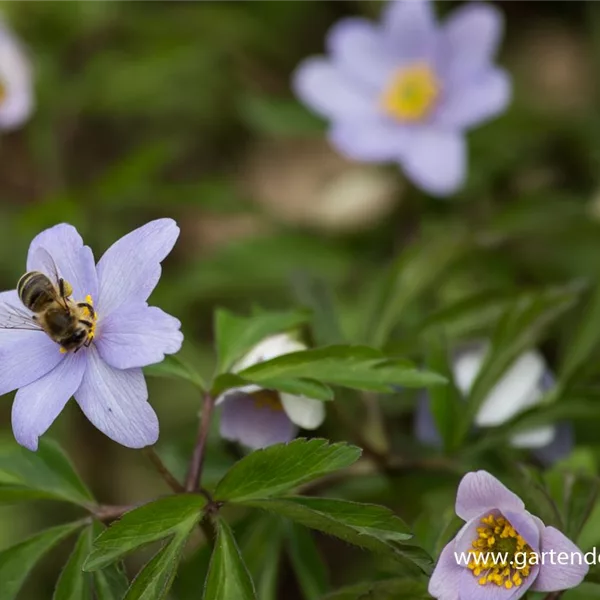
89	307
86	323
88	342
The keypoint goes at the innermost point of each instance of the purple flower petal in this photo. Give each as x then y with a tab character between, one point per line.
410	28
436	161
477	101
328	91
373	140
425	427
471	590
130	269
115	401
479	492
357	49
137	335
553	575
74	261
37	405
526	527
254	426
24	357
445	579
560	447
470	39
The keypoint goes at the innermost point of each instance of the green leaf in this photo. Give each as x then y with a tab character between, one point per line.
149	523
228	576
307	563
580	498
299	387
17	561
154	581
236	335
278	468
110	583
175	367
74	583
391	589
47	473
260	544
416	271
520	328
365	525
358	367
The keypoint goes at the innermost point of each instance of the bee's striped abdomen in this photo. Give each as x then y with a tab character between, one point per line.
35	291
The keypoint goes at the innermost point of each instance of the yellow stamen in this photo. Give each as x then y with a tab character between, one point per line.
267	399
411	94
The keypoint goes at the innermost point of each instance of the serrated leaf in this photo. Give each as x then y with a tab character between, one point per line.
17	561
47	473
154	581
74	583
149	523
110	583
391	589
228	576
378	530
175	367
236	335
307	563
279	468
298	387
358	367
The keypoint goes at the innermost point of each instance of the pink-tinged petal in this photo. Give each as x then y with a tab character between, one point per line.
470	39
559	572
130	269
137	335
410	28
325	89
116	402
24	357
75	262
526	527
445	579
372	140
16	76
470	589
484	97
436	161
357	48
479	492
252	425
37	405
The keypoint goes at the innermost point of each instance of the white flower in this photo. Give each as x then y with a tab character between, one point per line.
256	417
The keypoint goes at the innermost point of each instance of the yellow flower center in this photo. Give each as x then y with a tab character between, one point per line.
267	399
500	556
411	93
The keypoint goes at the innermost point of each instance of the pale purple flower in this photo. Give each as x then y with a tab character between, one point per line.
497	521
16	81
258	418
520	388
406	90
105	378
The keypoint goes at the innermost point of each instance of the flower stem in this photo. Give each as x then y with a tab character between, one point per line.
192	482
160	466
106	512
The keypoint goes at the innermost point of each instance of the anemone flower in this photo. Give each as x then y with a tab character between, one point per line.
256	417
16	82
520	388
101	365
503	550
407	90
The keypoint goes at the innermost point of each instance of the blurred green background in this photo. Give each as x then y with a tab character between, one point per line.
183	109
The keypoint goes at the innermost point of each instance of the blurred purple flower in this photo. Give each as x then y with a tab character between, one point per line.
407	90
106	378
520	388
256	417
497	522
16	93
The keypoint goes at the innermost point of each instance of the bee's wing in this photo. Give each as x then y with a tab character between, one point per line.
13	317
48	267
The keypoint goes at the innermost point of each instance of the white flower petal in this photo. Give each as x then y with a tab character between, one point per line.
304	412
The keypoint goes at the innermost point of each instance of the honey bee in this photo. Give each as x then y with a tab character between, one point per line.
70	324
